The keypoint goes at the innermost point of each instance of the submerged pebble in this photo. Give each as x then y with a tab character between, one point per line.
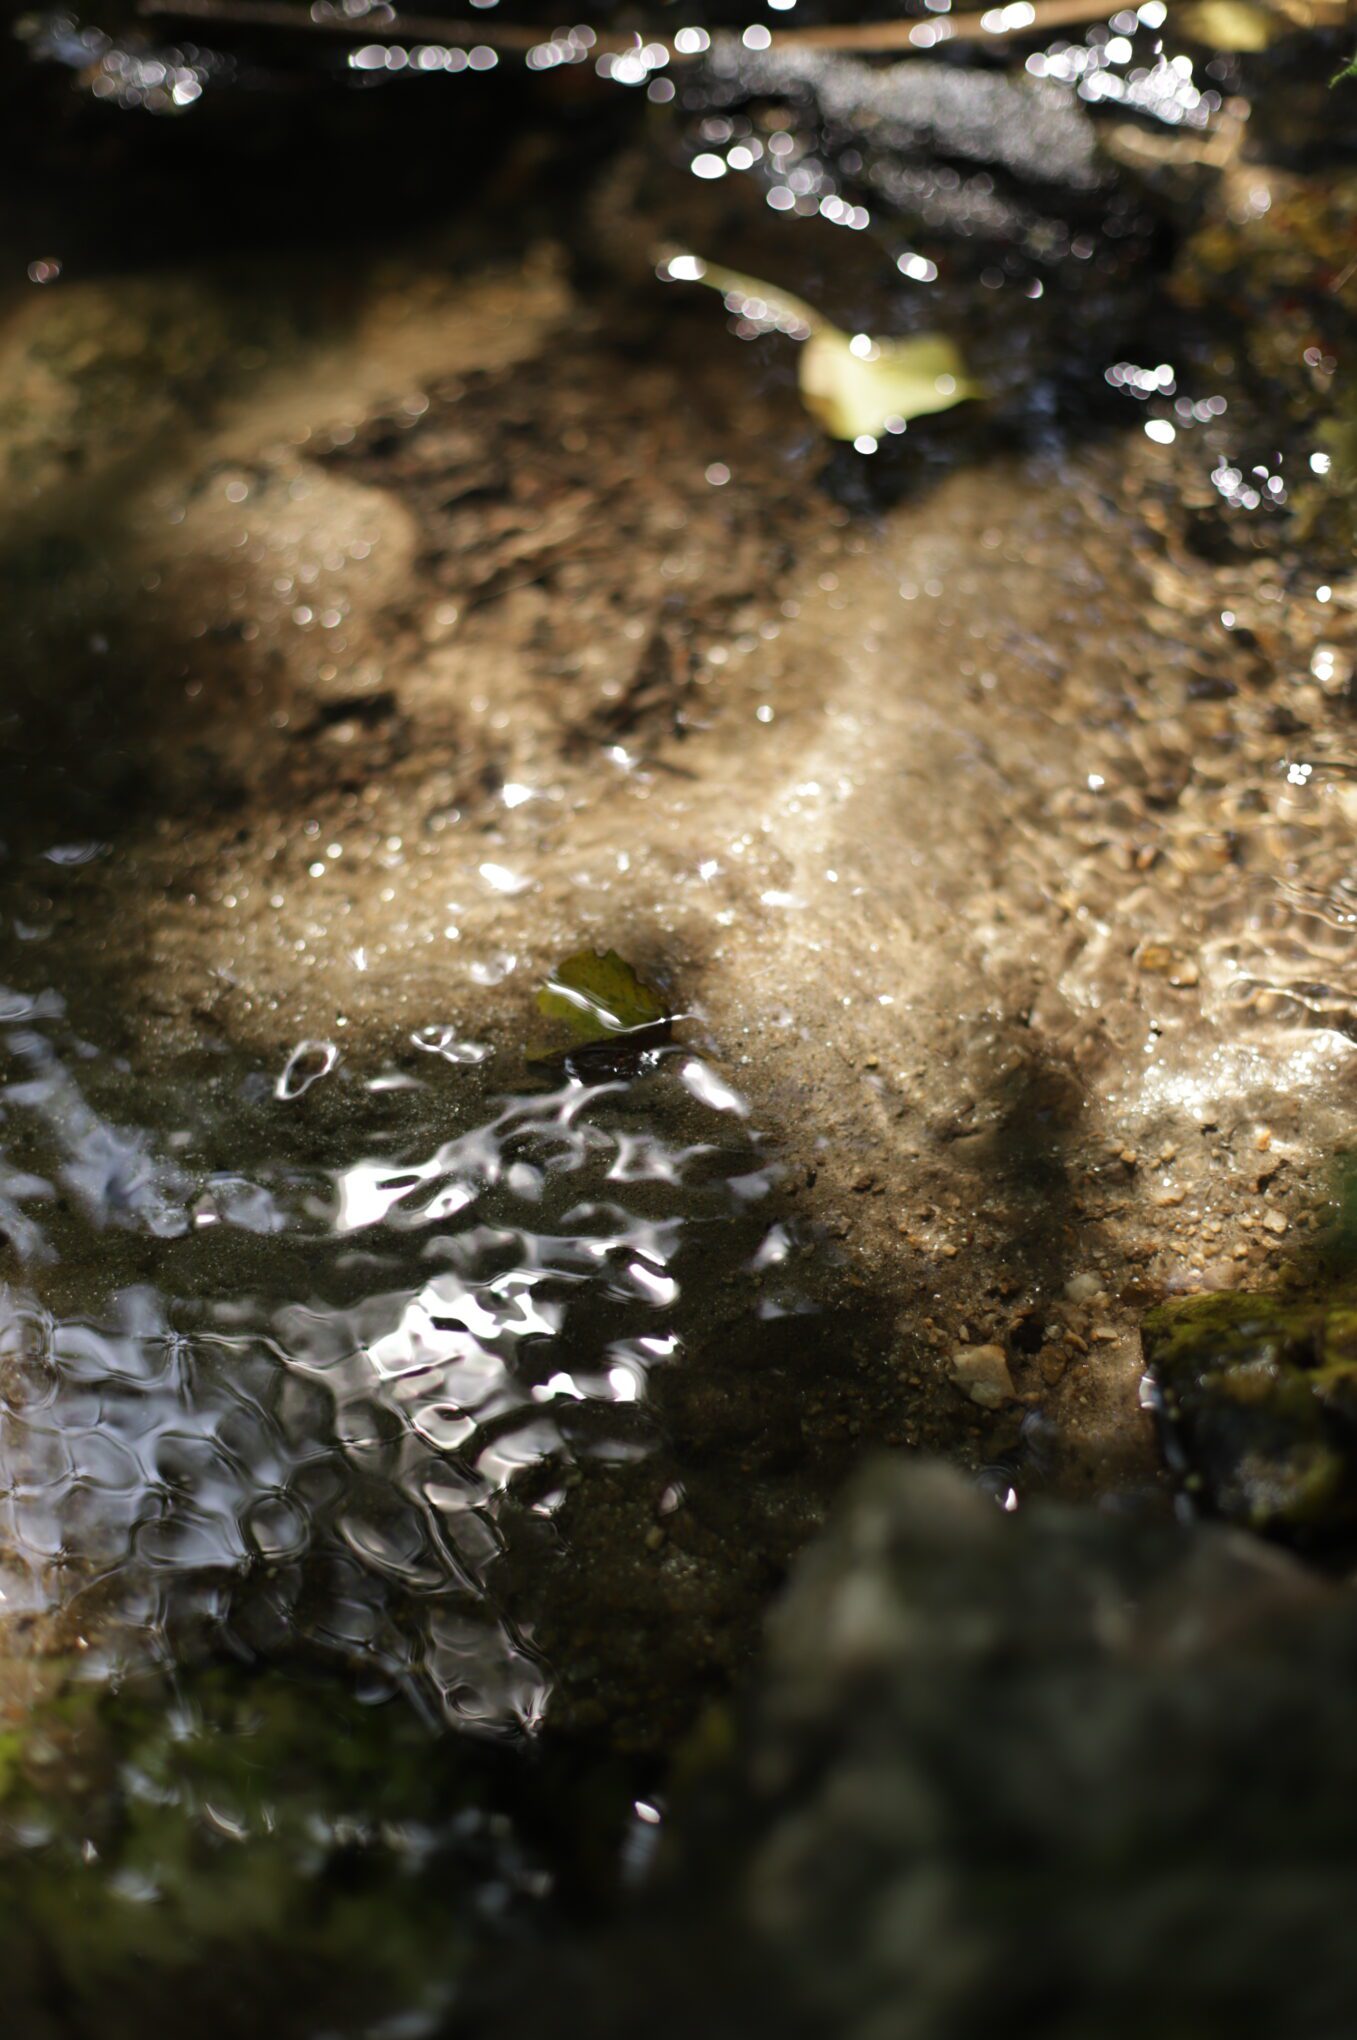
981	1372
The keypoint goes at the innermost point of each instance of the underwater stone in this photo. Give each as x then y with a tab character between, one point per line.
981	1372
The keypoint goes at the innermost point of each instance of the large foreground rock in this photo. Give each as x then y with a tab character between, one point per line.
1059	1773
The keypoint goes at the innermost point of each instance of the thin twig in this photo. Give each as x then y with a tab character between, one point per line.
995	24
1344	277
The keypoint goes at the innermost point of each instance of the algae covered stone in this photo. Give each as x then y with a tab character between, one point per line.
1256	1401
259	1851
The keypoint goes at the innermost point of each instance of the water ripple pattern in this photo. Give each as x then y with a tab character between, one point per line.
305	1407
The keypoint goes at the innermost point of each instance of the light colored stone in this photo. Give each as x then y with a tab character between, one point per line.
981	1372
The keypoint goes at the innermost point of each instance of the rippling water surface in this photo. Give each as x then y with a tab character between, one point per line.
328	1384
298	1369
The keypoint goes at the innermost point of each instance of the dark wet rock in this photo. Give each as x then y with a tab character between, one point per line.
1046	1770
1035	130
1257	1406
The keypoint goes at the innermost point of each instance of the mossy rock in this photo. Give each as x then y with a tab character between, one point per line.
1256	1399
243	1847
1276	285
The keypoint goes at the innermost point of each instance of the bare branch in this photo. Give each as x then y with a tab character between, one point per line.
996	24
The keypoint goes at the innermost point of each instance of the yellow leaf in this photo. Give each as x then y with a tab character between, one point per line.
1230	24
852	386
856	387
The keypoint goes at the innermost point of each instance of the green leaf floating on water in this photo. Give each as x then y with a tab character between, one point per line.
852	385
598	998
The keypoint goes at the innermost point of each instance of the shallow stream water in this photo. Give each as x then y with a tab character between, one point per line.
403	1433
292	1408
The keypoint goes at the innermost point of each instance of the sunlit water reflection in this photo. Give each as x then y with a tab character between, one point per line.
283	1405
